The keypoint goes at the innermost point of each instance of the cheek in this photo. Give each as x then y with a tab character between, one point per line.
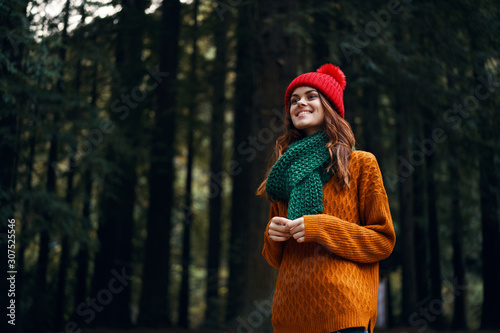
319	120
321	115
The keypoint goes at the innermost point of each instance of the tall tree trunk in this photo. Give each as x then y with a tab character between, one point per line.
60	296
405	171
40	315
433	222
403	103
186	237
244	88
11	16
188	209
459	321
24	234
83	257
8	153
64	258
114	260
262	54
491	239
421	228
154	307
489	188
213	305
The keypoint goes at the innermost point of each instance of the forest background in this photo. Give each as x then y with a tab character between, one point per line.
134	134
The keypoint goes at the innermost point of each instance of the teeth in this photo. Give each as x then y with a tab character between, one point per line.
303	112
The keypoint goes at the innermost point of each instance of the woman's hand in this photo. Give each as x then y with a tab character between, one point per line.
277	230
297	229
282	229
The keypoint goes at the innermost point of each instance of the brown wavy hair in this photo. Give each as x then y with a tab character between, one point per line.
340	144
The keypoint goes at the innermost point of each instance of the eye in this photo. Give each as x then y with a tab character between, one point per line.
294	101
312	96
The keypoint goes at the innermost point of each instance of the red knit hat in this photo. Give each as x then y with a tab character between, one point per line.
328	79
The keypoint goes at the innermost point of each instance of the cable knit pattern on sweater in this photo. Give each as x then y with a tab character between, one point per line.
330	281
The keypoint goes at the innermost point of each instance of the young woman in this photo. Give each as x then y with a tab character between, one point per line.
330	222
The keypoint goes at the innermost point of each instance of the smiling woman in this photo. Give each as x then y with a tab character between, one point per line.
330	222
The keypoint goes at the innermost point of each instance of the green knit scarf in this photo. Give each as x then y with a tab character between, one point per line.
299	175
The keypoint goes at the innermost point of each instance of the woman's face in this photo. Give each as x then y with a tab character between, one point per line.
306	110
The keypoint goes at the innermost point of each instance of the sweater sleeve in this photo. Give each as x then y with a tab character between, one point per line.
369	242
272	251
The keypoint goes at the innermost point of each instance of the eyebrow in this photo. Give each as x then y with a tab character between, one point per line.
307	92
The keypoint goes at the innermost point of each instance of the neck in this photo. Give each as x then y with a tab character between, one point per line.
311	130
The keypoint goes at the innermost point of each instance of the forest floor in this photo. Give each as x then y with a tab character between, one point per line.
394	330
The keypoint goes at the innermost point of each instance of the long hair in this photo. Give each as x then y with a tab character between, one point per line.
340	144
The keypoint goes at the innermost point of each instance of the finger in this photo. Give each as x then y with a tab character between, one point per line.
297	224
279	238
297	228
301	240
293	223
277	227
280	220
279	233
298	235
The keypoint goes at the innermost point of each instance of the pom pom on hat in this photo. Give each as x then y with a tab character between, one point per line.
330	82
334	71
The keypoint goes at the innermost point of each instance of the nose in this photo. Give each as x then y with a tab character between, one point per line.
301	101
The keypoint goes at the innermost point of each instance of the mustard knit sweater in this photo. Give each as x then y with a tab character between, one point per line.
330	281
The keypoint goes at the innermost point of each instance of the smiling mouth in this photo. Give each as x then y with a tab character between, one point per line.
303	112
